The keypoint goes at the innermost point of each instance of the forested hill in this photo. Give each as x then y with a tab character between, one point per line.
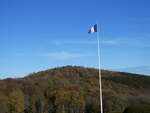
73	89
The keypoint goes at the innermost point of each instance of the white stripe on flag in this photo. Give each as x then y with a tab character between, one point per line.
92	30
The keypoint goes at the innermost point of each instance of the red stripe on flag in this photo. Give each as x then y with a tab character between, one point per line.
90	31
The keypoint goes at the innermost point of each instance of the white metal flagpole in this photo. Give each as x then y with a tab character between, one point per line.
100	84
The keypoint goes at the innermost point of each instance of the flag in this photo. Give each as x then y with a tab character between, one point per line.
93	29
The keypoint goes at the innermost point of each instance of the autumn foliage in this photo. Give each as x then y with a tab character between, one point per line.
73	89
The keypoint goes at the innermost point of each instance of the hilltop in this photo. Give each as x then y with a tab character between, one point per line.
73	89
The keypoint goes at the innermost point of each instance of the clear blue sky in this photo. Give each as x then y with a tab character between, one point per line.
41	34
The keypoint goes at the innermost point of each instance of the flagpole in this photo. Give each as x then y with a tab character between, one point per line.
100	84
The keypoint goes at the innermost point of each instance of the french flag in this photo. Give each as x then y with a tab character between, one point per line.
93	29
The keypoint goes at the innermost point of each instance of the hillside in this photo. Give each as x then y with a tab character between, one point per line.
73	89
